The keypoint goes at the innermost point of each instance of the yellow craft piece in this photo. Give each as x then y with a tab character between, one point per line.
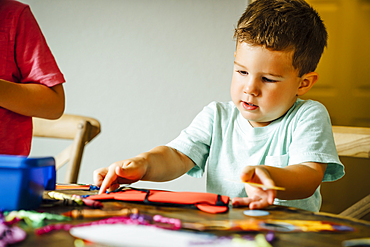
266	187
62	196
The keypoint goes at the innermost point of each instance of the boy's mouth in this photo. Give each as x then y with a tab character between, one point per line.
249	106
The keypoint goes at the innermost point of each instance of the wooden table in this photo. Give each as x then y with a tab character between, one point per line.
362	228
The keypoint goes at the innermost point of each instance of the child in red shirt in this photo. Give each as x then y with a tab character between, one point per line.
30	80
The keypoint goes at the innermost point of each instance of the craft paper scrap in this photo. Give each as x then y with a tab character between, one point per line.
274	225
132	235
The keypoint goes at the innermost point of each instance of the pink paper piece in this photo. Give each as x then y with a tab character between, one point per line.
11	235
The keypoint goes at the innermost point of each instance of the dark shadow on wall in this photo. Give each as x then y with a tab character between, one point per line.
339	195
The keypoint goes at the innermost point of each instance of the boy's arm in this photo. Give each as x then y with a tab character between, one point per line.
34	100
159	164
300	181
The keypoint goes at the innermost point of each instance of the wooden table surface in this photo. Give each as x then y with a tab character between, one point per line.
362	228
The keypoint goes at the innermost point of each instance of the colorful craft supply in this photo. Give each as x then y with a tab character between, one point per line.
10	234
266	187
256	212
258	241
356	242
92	203
79	243
307	225
206	202
94	187
158	221
133	219
33	218
258	225
72	200
247	240
93	213
167	223
62	196
87	187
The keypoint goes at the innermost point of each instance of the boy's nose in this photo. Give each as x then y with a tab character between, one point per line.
251	87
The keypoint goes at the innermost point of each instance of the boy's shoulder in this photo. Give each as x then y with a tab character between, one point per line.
302	105
307	111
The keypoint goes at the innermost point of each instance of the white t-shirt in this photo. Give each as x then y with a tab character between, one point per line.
221	137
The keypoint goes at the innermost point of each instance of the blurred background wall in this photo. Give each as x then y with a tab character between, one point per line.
143	68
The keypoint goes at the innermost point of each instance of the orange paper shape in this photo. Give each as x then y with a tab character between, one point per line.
206	202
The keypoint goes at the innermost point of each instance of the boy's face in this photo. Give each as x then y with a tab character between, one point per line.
264	84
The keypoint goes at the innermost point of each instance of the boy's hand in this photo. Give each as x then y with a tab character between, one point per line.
257	197
121	172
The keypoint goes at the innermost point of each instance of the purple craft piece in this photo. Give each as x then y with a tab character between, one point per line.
11	235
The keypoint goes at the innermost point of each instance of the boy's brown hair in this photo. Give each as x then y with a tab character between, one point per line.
285	25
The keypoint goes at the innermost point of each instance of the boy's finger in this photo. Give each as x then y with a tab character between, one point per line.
271	194
98	176
240	201
113	187
259	204
247	173
264	177
108	180
123	170
130	172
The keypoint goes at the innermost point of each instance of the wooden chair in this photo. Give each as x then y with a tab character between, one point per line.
80	129
354	142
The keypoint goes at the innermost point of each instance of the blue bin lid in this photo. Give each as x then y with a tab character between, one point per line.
19	161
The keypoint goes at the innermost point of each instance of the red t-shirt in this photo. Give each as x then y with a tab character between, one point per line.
24	58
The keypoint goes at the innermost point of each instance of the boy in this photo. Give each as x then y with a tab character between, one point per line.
266	134
30	80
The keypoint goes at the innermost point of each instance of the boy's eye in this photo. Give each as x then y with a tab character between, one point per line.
242	72
268	80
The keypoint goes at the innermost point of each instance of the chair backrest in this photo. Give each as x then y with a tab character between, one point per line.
80	129
354	142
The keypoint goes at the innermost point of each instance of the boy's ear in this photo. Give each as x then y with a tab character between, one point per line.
308	80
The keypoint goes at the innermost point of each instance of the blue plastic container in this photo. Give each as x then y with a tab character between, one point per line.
23	181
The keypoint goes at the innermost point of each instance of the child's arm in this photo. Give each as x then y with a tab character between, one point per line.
159	164
34	100
300	181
